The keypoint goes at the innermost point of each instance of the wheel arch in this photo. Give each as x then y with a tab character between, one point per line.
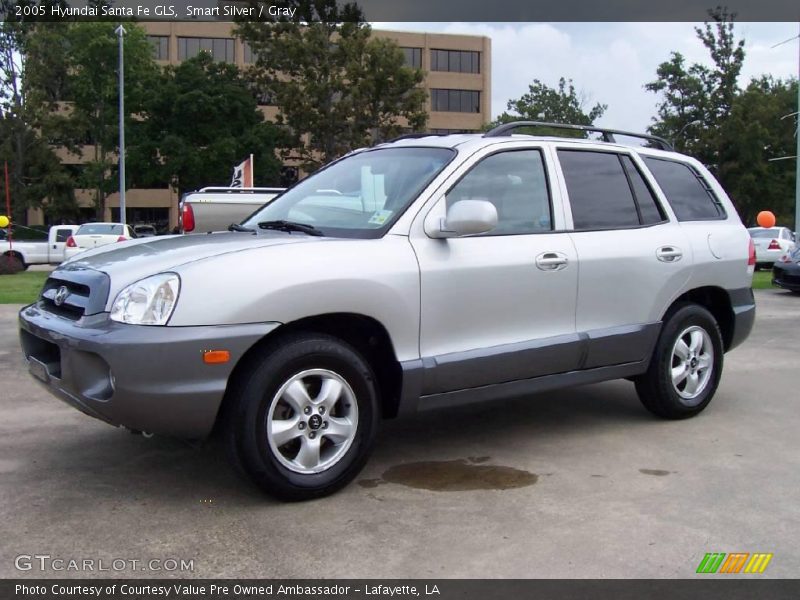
366	334
717	301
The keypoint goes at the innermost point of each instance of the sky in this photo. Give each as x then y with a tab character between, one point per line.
610	62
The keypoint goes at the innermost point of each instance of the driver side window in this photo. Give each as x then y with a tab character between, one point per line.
516	183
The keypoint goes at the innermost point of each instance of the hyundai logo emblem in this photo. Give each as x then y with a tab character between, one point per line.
61	295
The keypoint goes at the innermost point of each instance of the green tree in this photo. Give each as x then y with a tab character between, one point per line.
199	121
76	81
755	132
37	178
562	104
336	87
699	93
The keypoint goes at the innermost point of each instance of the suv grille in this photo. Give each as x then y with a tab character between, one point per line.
75	293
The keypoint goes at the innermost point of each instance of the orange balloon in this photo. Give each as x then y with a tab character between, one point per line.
765	219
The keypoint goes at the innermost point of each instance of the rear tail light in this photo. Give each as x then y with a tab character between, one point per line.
786	258
774	245
187	218
751	258
122	238
71	242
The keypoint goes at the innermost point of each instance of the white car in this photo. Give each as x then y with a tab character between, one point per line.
771	243
94	235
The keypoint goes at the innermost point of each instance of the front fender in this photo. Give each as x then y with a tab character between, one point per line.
375	278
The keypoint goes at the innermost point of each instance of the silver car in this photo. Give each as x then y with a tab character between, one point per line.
420	274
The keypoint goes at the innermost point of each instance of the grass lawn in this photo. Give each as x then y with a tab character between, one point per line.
762	280
22	288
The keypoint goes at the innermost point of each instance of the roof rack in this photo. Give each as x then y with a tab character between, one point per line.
413	136
608	134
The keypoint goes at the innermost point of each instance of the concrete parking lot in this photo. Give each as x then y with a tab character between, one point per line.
576	483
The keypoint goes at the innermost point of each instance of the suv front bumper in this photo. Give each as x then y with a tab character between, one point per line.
143	377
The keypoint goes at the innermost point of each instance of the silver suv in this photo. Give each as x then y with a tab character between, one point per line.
423	273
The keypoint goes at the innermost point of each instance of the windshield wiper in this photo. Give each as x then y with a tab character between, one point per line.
291	226
237	227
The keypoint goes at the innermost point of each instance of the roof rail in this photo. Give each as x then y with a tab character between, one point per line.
413	136
608	134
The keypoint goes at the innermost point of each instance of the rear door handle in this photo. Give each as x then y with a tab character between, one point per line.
552	261
669	254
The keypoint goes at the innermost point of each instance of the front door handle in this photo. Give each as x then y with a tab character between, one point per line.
669	254
552	261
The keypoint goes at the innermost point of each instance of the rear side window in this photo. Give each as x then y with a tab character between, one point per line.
599	192
687	192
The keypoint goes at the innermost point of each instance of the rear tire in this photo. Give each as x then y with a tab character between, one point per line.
686	365
303	416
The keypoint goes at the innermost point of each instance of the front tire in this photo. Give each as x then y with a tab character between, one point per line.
686	365
303	416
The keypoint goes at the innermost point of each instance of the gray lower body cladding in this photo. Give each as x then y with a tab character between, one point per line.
147	378
743	304
541	365
527	367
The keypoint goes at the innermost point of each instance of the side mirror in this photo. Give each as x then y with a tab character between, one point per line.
467	217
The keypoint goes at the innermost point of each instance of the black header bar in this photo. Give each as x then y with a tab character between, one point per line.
419	10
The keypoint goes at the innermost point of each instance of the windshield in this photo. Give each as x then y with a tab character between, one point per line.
360	195
765	233
100	229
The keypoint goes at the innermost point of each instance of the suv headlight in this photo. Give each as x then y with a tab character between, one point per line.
149	301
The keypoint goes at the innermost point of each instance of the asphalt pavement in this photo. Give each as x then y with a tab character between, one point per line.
576	483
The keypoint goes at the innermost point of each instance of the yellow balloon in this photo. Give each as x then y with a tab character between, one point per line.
4	221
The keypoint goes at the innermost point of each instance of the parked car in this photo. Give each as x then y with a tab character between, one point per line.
771	243
215	208
786	271
39	253
95	235
460	268
144	231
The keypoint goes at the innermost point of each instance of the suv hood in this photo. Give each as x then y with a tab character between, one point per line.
130	261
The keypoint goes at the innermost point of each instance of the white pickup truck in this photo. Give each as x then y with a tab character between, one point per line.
38	253
215	208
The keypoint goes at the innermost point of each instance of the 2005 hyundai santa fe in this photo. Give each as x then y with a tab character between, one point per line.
423	273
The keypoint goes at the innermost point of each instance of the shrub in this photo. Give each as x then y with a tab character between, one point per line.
10	265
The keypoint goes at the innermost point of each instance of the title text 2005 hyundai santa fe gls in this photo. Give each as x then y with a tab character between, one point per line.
423	273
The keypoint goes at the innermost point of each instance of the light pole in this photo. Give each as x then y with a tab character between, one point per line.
797	141
796	137
120	31
682	129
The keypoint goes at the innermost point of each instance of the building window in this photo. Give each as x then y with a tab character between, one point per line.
468	101
456	61
413	57
160	45
248	56
221	49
